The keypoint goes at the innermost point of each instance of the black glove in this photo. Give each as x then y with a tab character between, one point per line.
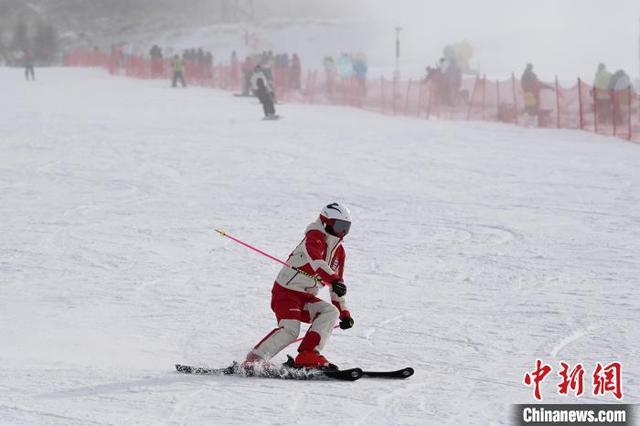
346	322
338	287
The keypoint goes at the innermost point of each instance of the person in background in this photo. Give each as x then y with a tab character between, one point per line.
247	72
453	77
177	65
295	72
532	86
235	70
262	89
330	70
436	77
601	93
619	88
267	62
156	60
345	66
29	72
360	69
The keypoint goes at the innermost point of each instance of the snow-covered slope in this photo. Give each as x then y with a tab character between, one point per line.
475	249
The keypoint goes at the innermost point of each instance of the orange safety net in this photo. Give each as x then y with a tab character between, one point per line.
606	112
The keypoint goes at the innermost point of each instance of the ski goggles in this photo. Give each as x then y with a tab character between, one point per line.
340	227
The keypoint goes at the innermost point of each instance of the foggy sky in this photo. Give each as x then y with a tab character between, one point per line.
564	37
567	38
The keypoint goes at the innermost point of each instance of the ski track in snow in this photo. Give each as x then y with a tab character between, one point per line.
476	248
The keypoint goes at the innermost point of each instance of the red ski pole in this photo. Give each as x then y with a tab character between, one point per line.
257	250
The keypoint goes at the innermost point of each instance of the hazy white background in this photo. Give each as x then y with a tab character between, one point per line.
564	37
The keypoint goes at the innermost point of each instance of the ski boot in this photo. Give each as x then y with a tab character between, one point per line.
313	360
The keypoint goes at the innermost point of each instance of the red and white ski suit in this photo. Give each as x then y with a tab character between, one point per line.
293	297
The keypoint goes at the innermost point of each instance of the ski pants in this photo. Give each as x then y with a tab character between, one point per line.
266	100
29	72
292	308
178	76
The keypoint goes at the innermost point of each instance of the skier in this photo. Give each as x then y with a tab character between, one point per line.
319	256
247	72
29	72
601	93
532	86
263	91
177	64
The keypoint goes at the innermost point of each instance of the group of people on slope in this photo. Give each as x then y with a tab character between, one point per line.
446	76
285	70
347	66
611	94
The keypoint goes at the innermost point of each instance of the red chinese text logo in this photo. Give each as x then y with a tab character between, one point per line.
605	379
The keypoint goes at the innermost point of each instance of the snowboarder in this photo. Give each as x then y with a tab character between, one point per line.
263	91
319	256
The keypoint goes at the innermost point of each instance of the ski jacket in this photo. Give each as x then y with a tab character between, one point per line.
602	80
529	82
263	94
601	84
260	75
321	255
177	65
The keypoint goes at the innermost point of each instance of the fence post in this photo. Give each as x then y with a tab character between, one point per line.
498	97
313	86
429	99
382	92
406	101
595	109
484	88
473	94
629	109
420	92
614	110
580	102
515	101
557	103
394	94
307	92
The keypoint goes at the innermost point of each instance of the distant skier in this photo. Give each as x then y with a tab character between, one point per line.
262	89
29	72
177	65
295	72
601	93
247	72
532	86
293	296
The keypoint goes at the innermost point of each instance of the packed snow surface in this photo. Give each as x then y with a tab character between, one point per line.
475	249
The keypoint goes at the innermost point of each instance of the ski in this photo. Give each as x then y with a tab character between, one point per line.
403	373
284	372
289	370
187	369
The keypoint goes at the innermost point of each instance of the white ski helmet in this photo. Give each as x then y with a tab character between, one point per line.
336	219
